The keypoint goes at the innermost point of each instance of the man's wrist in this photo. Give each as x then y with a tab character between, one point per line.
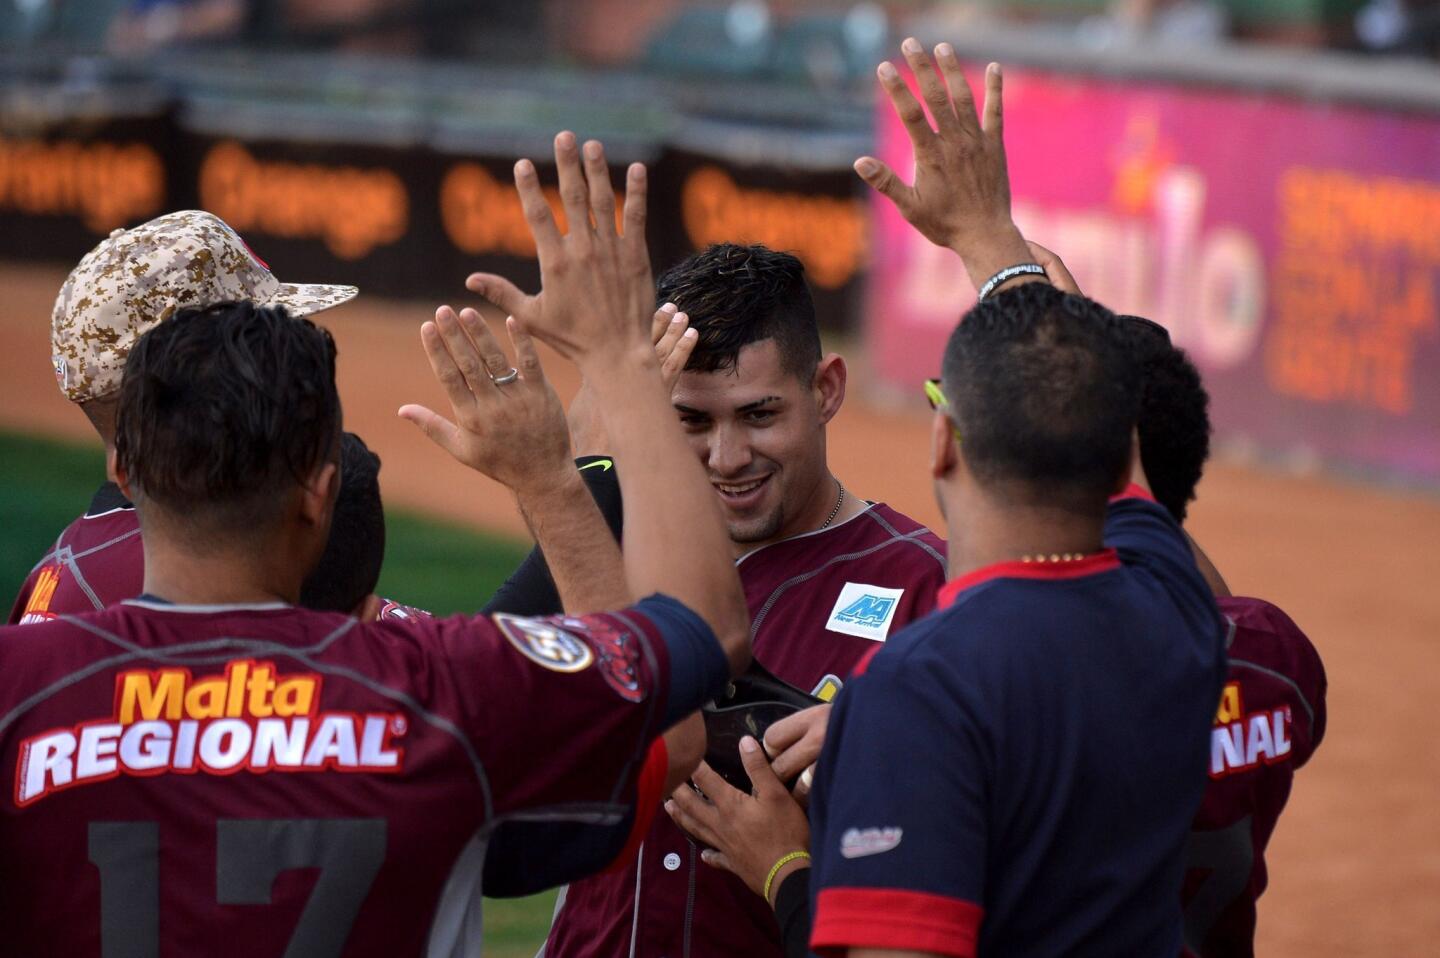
985	254
559	483
784	872
618	365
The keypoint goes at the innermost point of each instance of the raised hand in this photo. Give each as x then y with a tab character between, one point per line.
674	342
596	287
1055	269
961	195
511	429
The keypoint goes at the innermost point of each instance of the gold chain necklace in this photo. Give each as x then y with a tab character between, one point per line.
1058	557
838	503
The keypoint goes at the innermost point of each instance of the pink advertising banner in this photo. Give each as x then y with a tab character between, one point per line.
1292	247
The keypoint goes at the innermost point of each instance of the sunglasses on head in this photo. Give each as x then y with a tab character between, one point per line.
939	403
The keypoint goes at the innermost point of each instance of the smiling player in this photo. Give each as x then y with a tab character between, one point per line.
827	575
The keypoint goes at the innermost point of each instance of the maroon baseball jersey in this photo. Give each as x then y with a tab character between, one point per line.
268	780
99	560
818	603
96	562
1270	720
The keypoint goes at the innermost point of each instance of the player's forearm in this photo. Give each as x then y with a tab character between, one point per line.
675	539
583	556
685	748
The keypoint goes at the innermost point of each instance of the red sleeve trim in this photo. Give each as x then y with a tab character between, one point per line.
864	661
1134	491
649	792
894	919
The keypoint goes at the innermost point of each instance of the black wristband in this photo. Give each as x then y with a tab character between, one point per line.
792	913
1006	275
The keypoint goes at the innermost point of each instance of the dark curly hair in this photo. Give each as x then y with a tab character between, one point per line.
1044	389
1174	421
738	295
222	409
350	568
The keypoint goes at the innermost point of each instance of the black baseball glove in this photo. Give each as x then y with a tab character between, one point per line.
750	704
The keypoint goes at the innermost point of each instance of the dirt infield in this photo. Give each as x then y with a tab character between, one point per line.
1355	863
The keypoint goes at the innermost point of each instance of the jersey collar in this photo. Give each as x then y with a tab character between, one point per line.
806	535
1102	561
107	499
164	605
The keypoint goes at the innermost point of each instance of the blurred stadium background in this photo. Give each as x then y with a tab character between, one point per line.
1262	176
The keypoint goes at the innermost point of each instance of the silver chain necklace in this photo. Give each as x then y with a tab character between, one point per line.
838	503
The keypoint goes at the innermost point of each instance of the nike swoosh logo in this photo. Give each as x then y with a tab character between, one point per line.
604	464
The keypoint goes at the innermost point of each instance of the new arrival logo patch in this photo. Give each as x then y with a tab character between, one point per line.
545	643
859	842
865	611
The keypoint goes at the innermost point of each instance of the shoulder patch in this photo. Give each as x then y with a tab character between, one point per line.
865	611
545	643
394	611
618	653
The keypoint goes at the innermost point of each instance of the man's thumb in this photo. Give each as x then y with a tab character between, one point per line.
499	291
757	765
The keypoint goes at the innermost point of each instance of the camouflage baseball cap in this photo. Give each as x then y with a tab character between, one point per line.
138	278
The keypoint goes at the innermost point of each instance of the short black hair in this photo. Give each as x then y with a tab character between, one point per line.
1044	390
1174	420
350	567
222	409
738	295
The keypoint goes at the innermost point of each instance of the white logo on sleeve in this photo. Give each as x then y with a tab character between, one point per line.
545	643
859	842
865	611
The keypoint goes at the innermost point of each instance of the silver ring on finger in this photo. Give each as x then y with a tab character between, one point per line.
506	379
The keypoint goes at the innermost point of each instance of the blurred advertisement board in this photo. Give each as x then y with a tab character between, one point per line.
816	212
72	169
1292	247
409	204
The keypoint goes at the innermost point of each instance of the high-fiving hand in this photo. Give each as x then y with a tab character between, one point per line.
674	343
961	195
511	429
596	288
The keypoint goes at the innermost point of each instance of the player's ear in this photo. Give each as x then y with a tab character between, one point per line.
831	375
369	609
944	453
317	496
117	475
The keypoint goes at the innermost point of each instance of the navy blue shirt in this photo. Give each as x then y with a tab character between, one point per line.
1016	773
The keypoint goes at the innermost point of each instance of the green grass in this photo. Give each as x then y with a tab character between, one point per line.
431	564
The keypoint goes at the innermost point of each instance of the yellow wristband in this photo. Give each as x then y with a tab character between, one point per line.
775	869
